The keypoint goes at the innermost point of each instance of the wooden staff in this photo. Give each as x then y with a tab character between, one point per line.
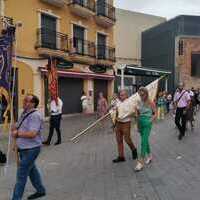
89	127
14	145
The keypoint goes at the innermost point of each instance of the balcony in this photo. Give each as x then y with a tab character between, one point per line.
105	14
57	3
52	43
82	51
82	8
105	55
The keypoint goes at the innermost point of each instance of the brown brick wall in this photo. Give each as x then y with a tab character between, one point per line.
191	45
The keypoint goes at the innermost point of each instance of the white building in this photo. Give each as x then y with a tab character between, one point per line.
127	37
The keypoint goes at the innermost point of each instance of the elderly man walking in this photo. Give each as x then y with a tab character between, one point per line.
123	132
28	132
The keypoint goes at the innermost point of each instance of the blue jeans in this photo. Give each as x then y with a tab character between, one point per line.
27	168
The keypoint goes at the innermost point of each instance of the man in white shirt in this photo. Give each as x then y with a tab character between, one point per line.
123	132
182	102
55	119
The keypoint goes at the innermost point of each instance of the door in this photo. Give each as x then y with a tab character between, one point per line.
70	91
48	31
99	86
78	41
101	44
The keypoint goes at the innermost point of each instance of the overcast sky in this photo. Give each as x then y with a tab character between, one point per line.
164	8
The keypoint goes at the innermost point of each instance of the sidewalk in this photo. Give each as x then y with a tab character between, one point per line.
84	170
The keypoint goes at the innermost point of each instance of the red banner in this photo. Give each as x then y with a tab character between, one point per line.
53	79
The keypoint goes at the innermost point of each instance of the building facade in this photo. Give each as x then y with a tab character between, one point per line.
127	36
188	61
174	46
78	34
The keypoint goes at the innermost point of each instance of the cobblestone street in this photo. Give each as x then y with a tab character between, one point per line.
84	170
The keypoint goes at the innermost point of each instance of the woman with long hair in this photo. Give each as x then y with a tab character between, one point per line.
146	114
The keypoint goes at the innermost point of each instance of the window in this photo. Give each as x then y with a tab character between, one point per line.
78	40
195	65
48	31
101	46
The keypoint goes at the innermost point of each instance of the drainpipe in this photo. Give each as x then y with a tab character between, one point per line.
122	76
2	8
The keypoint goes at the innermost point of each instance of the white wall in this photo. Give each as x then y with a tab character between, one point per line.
127	34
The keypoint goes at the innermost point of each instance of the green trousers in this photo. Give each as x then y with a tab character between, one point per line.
145	126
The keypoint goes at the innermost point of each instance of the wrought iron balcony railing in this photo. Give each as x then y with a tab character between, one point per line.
105	53
89	4
49	39
82	47
106	10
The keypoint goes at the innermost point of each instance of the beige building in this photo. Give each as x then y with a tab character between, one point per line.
127	37
78	34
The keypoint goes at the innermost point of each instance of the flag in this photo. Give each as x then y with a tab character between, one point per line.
6	44
53	79
127	107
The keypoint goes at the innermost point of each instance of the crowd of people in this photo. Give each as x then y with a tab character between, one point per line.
27	132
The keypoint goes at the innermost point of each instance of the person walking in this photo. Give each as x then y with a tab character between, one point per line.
169	101
191	109
84	103
160	106
123	132
102	105
28	134
55	120
181	104
146	114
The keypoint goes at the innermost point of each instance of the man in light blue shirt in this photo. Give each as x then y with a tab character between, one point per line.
29	140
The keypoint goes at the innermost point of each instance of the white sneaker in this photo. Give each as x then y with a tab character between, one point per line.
148	160
139	167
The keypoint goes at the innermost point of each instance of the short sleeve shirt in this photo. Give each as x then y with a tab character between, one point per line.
34	122
183	102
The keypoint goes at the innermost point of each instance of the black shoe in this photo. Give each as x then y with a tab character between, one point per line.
134	154
57	143
36	195
46	143
180	137
119	159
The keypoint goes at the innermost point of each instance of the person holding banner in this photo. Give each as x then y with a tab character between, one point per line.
29	141
146	114
123	131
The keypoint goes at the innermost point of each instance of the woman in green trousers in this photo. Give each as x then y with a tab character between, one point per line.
146	114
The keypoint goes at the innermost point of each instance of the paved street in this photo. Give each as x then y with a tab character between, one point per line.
84	170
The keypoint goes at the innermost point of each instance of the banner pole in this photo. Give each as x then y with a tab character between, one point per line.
11	108
89	127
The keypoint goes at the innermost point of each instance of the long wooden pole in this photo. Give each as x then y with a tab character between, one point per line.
89	127
12	110
99	120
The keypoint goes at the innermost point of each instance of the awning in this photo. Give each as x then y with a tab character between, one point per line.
132	70
72	74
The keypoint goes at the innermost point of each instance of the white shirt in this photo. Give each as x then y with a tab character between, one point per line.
84	101
191	93
183	102
56	109
126	119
